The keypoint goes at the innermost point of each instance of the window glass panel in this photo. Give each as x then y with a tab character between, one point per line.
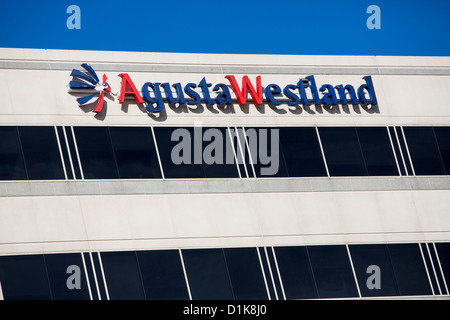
364	256
332	271
207	274
295	271
217	148
188	156
443	250
135	152
264	147
41	153
96	154
409	269
443	139
12	166
122	275
301	152
162	275
245	274
342	151
377	151
184	166
57	269
424	151
24	278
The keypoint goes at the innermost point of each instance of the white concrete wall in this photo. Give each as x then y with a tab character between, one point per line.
112	222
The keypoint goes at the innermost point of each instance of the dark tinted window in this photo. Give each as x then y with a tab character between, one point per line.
12	166
216	147
332	271
122	275
135	152
245	274
377	151
443	250
301	152
59	274
24	278
184	149
342	151
409	269
296	273
207	274
365	256
188	156
424	151
443	139
162	275
41	153
264	147
96	153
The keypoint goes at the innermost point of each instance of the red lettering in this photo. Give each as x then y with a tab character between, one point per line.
126	82
246	86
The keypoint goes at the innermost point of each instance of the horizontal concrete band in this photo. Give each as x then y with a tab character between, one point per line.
223	69
205	186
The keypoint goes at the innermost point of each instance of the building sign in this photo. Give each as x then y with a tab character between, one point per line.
153	94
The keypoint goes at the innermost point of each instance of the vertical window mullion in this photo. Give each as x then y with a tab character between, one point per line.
77	153
426	269
87	275
263	273
401	152
241	150
278	272
353	270
394	152
234	150
103	275
157	153
407	150
440	268
185	274
321	150
247	147
60	153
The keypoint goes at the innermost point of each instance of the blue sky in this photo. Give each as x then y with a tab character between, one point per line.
414	28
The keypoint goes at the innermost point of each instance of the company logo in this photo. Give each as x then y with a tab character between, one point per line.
154	95
89	84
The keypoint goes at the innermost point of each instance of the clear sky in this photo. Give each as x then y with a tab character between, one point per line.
337	27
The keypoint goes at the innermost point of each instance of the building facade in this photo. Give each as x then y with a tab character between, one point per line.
328	178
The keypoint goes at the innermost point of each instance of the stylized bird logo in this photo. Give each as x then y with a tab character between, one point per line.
88	81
